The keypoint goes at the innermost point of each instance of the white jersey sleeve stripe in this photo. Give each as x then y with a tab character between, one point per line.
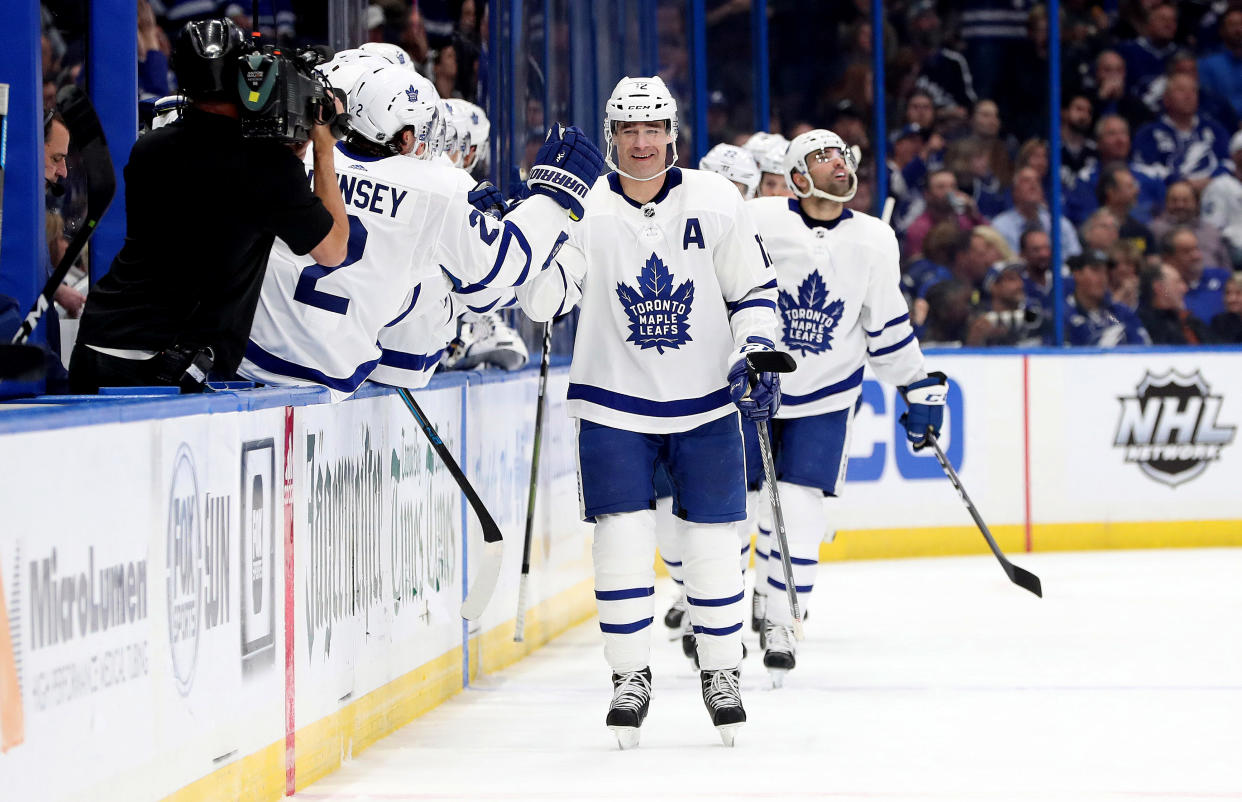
418	289
511	232
406	361
899	319
894	347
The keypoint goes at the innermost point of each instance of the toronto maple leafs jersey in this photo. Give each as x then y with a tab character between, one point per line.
840	304
670	291
409	223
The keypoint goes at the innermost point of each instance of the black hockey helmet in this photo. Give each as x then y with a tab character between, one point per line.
205	59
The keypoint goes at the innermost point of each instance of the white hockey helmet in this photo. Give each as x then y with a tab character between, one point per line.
446	143
735	164
640	100
760	143
346	67
459	125
393	54
772	160
387	100
168	109
813	143
474	143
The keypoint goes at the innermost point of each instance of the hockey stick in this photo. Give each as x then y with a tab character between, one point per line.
776	362
519	628
86	132
493	541
1019	576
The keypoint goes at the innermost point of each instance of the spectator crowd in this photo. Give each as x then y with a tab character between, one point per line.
1150	141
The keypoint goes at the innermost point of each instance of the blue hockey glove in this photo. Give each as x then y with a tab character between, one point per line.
926	398
566	167
756	396
487	198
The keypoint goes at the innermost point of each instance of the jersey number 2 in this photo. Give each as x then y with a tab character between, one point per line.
311	274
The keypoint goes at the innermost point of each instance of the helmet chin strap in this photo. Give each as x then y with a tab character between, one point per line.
670	163
816	192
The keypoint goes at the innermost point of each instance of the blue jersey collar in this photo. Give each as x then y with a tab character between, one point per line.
671	179
795	205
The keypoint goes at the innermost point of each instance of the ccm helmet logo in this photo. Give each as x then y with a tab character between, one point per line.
639	108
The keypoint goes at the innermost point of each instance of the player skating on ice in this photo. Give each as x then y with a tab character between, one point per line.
840	305
674	289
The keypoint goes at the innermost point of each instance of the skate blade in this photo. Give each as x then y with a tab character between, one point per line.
728	732
627	737
778	676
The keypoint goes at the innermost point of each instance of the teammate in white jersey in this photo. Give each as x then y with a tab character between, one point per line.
675	289
769	152
841	305
413	238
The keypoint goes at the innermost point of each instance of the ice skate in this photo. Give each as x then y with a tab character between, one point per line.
723	698
779	655
631	696
675	615
688	645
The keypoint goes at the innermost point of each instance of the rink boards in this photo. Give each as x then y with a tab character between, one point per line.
223	596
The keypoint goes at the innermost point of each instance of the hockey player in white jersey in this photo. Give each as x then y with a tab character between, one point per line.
769	152
841	306
413	238
737	165
675	289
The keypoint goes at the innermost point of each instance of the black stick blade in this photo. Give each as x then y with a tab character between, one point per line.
1026	580
771	362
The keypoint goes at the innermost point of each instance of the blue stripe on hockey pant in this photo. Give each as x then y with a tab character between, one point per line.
714	591
623	552
803	509
706	468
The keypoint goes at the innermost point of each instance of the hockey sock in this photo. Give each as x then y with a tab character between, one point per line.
713	592
803	509
745	529
668	539
623	552
763	535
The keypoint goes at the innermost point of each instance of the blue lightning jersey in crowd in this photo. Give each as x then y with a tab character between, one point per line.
1109	325
1168	154
413	238
840	302
671	292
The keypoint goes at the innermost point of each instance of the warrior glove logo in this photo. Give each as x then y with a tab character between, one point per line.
1169	427
810	318
658	313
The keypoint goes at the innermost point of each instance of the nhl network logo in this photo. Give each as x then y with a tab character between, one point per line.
1169	427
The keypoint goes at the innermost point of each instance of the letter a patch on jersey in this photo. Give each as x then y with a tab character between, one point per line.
810	318
658	313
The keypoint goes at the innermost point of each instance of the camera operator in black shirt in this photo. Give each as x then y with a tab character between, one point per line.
203	205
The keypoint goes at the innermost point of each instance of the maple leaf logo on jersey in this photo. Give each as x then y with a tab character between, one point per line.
658	313
412	94
810	318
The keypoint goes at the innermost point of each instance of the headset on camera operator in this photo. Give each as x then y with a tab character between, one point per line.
205	198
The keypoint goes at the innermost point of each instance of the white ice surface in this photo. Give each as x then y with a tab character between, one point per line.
930	679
